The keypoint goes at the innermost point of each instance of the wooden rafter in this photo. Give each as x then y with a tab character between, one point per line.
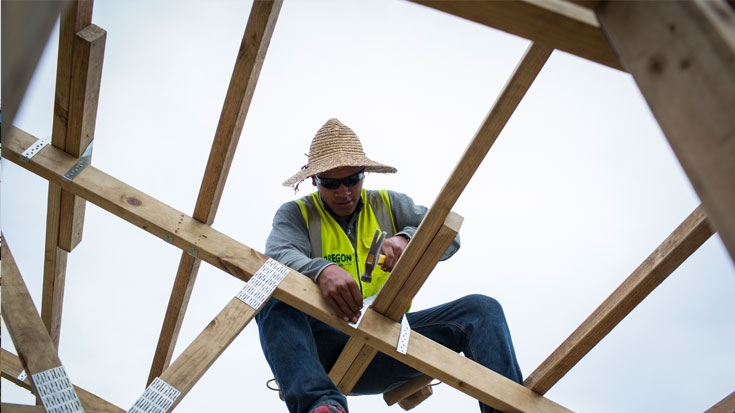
682	57
510	97
726	405
296	289
12	368
250	57
556	24
689	48
201	353
196	359
24	324
673	251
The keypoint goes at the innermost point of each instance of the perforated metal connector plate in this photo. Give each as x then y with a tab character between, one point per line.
27	154
157	398
56	391
263	283
84	162
403	338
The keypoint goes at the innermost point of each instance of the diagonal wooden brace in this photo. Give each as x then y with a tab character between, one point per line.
510	97
37	351
674	250
393	300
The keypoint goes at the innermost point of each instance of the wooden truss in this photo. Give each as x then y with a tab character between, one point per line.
661	54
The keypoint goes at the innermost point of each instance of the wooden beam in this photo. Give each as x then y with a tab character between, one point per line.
12	368
675	249
410	387
356	357
76	16
21	408
451	368
22	319
506	103
128	203
396	306
423	354
255	42
556	24
89	49
351	364
345	375
78	75
196	359
54	267
682	57
253	48
27	23
175	311
242	262
191	365
726	405
24	324
77	90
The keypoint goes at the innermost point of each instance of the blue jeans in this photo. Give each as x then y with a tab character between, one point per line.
301	349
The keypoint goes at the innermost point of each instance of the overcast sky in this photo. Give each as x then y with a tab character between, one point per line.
578	190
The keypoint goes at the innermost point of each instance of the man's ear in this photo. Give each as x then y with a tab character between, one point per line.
313	181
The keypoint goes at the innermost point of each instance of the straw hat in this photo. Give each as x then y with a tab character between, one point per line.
336	145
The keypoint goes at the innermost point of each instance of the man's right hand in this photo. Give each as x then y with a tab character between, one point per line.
340	290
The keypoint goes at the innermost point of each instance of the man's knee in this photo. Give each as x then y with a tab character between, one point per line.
483	304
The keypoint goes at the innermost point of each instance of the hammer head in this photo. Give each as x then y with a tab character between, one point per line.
373	255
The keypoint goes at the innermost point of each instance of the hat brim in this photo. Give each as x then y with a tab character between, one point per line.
316	168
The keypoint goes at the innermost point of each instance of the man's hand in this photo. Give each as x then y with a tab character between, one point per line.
340	290
392	249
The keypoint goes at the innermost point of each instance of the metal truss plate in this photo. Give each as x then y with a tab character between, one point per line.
84	161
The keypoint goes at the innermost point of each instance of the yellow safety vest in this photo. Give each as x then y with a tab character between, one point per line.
330	242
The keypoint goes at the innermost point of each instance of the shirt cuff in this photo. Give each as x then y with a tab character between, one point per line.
322	269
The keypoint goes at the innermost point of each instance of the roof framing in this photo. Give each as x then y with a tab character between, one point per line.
622	35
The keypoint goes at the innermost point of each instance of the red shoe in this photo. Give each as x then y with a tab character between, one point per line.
328	408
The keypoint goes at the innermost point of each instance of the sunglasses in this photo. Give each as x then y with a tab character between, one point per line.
333	183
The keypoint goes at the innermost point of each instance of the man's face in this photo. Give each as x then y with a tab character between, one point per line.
339	197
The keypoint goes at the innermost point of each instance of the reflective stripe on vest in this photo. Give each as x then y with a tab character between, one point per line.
330	242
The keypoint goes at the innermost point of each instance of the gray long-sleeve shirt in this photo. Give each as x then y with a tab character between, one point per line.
288	242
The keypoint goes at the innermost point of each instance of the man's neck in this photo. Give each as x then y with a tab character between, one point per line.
346	221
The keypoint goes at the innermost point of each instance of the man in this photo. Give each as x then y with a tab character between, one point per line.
326	236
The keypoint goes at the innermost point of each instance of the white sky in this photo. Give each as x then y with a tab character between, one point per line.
578	190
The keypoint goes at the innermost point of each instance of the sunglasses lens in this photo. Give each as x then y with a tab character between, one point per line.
329	183
350	181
